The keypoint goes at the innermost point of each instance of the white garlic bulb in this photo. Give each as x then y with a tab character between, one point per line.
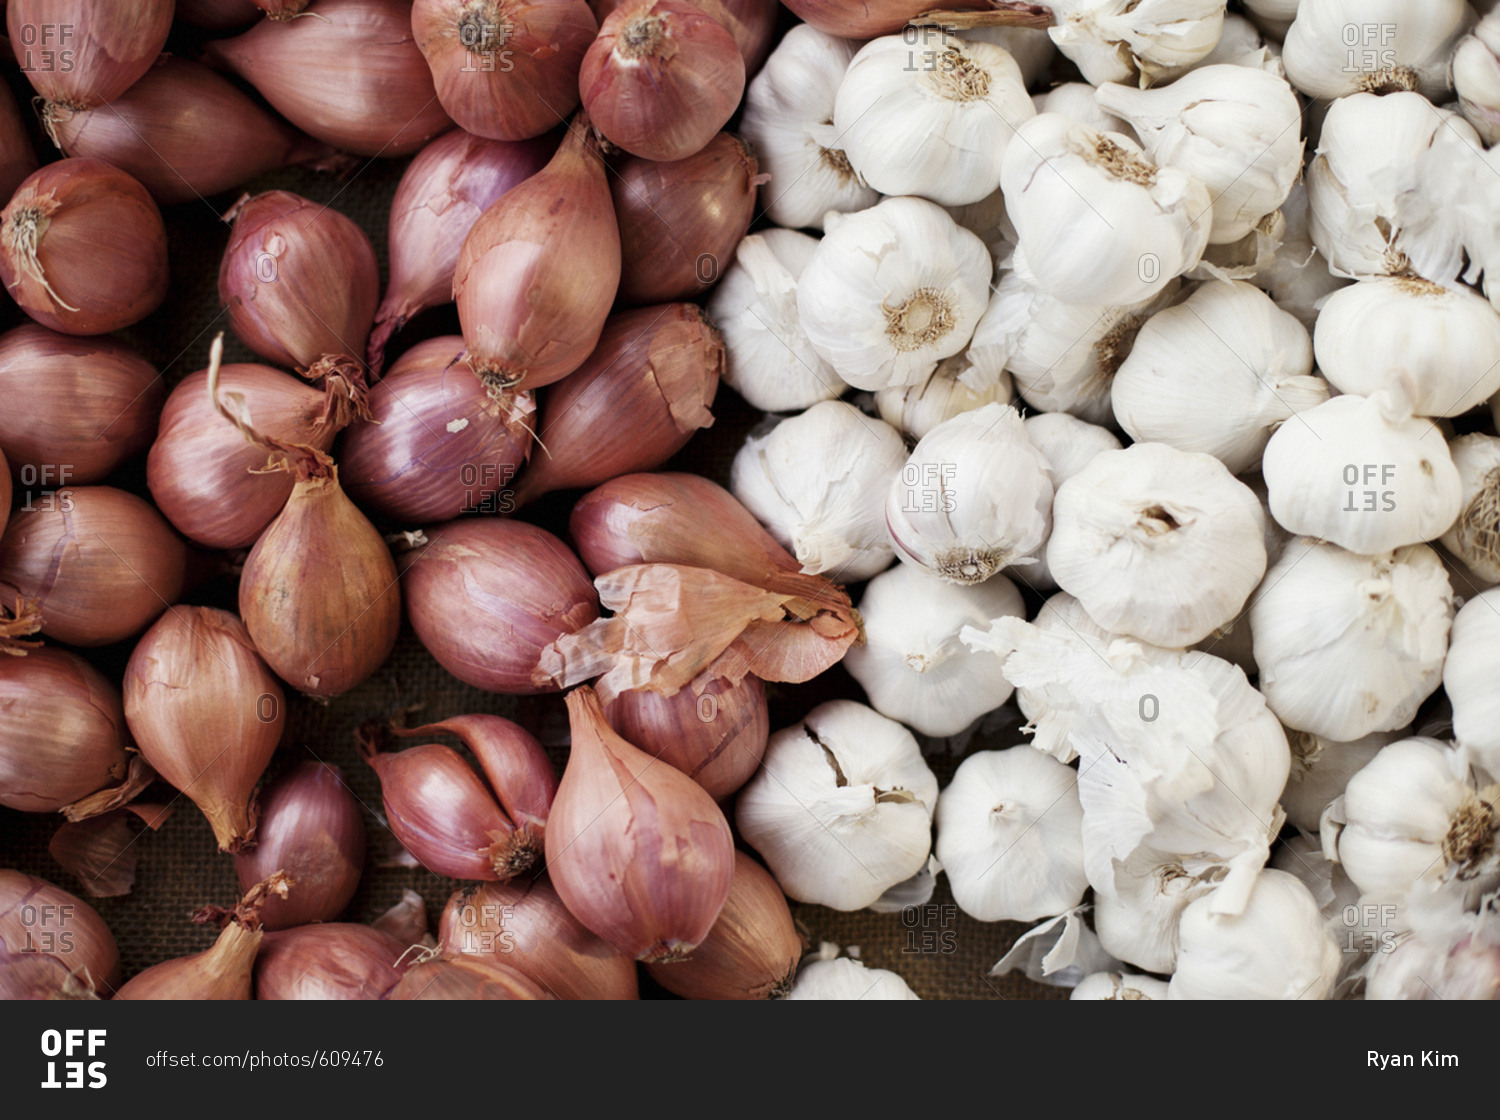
1120	985
1009	836
1067	443
1278	948
1297	277
930	114
1272	16
817	482
843	978
1339	47
1470	677
841	808
1031	48
1435	349
912	665
1062	357
1098	222
1076	100
974	497
1321	768
954	387
1476	78
1450	953
767	357
1139	915
1349	645
1362	473
1160	544
1240	44
892	291
1135	40
789	120
1217	374
1227	126
1475	537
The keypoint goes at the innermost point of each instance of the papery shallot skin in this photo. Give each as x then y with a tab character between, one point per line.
53	945
328	960
752	23
465	978
82	54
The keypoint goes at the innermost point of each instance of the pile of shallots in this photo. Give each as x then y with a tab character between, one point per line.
1091	343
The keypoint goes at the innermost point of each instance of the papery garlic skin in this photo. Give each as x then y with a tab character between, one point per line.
1241	44
1333	891
1277	949
1274	17
1063	614
974	497
789	119
1120	985
1470	677
1217	374
927	113
1349	645
1396	45
1321	768
1297	278
1135	40
1067	443
1475	537
947	391
848	979
817	482
1098	222
1449	953
1076	101
892	291
1231	127
1434	349
841	809
1139	916
768	359
1009	836
1363	474
912	665
1160	544
1476	78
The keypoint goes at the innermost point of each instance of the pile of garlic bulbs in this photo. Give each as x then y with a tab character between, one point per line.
1169	402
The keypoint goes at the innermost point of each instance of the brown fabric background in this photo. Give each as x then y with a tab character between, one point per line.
940	952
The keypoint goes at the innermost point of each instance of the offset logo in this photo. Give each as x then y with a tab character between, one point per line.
75	1045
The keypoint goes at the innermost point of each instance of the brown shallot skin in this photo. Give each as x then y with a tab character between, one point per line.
81	53
53	945
465	978
524	924
348	73
751	22
309	827
327	960
92	403
505	69
100	563
17	156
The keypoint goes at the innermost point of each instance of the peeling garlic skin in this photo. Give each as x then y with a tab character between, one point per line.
1120	985
1474	538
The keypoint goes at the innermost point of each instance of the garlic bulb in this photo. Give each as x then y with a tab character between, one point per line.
1229	127
1362	473
1120	985
843	978
1031	48
1135	40
917	409
1076	100
1277	949
1240	44
1062	357
755	309
1470	675
912	665
1272	16
1160	544
927	113
1475	537
1099	223
1450	953
817	482
974	497
1436	349
1476	78
841	808
892	291
1349	645
1321	768
1297	277
1339	47
1009	836
789	120
1218	373
1139	916
1067	443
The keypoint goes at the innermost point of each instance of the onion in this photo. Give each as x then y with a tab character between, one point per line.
81	53
681	222
92	403
524	924
639	853
349	74
661	78
100	563
204	475
300	281
633	404
505	69
183	132
751	22
872	18
82	248
406	921
217	15
752	951
334	960
539	270
53	945
206	713
438	443
452	181
488	597
714	731
17	156
309	827
465	978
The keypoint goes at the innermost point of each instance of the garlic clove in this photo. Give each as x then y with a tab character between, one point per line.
1476	78
1147	40
1076	101
848	979
956	386
1474	539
